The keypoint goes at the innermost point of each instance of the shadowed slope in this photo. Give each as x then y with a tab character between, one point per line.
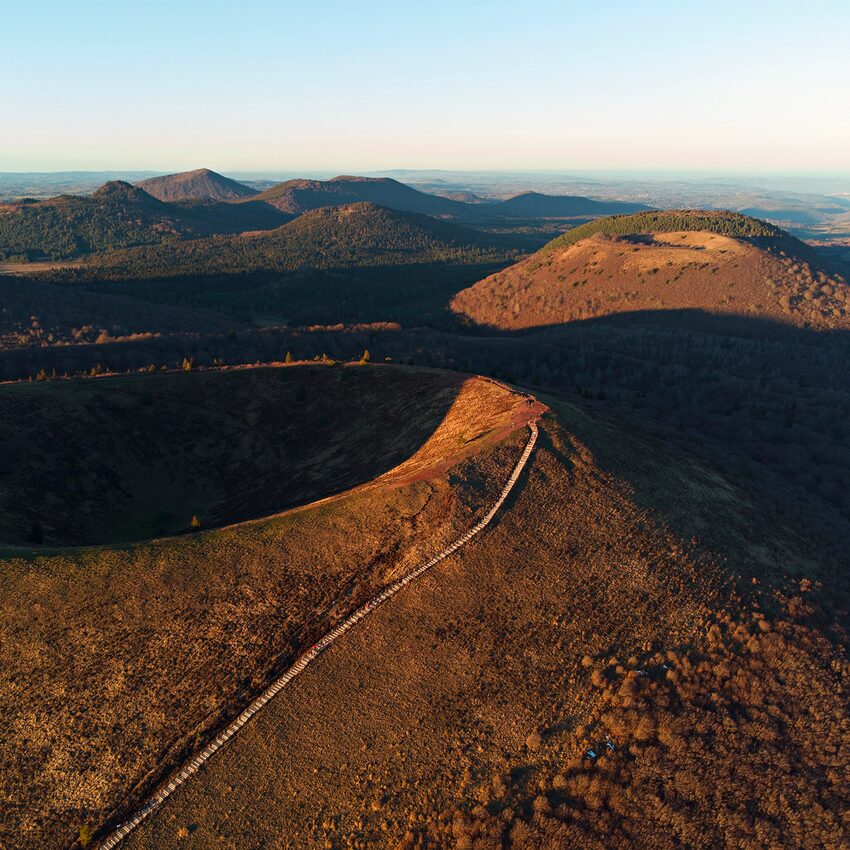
222	446
35	314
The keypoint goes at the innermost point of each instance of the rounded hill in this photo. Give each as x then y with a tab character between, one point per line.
371	227
714	261
199	185
536	204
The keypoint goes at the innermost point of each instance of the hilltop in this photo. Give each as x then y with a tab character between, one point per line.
117	215
198	185
538	205
298	196
718	262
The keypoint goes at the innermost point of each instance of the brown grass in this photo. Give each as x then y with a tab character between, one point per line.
117	663
472	673
457	716
605	275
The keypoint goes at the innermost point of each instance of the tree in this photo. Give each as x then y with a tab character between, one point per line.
196	523
365	358
289	358
187	364
36	534
86	836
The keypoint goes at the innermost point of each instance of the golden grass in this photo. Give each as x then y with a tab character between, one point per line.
117	663
605	275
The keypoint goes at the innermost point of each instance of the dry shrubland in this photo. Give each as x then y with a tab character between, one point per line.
118	663
469	675
741	743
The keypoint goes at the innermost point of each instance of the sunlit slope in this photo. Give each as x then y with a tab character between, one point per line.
118	663
718	262
457	717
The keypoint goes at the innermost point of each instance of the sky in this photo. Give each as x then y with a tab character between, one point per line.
364	85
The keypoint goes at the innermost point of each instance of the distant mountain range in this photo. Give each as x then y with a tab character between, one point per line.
199	185
203	203
298	196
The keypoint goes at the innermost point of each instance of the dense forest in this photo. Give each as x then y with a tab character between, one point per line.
359	263
117	215
350	236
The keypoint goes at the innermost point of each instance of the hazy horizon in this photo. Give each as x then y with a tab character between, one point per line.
733	88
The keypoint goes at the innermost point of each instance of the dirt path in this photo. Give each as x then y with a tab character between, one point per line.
309	657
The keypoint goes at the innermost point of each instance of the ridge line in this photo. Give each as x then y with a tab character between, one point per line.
188	770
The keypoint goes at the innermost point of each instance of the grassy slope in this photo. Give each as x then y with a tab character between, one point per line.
468	700
719	262
592	557
119	662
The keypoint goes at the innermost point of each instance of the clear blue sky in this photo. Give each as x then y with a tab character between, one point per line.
366	84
